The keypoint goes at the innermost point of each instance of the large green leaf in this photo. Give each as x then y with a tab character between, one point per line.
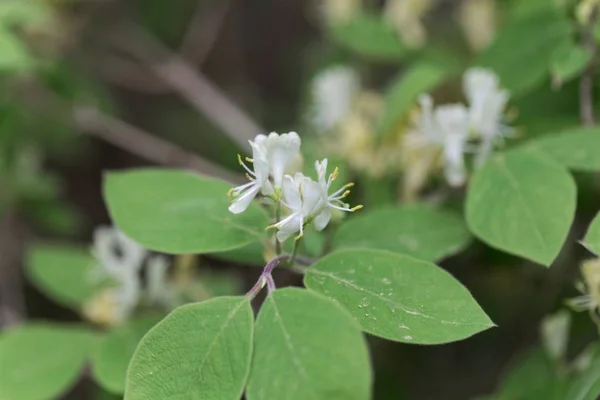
533	38
568	61
63	272
522	202
587	385
179	212
576	148
533	377
307	347
417	230
398	297
112	355
200	351
370	36
592	238
404	91
40	362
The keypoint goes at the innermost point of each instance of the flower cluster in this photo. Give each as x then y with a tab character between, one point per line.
120	260
451	127
590	290
306	200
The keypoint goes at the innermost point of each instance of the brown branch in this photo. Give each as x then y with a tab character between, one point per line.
145	145
203	32
586	85
12	301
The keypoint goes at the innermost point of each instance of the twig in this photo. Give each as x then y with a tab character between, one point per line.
190	84
12	302
586	85
203	31
145	145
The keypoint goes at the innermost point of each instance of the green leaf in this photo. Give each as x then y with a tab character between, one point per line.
576	148
533	38
587	385
13	54
417	230
200	351
534	377
251	254
112	355
404	91
522	202
41	362
307	347
592	238
179	212
398	297
63	272
369	36
568	61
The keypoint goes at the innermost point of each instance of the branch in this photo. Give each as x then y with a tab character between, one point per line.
586	85
12	301
145	145
203	32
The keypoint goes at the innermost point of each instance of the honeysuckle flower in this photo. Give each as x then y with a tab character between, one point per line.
158	290
309	201
406	17
270	156
119	259
487	102
336	11
333	92
447	127
590	289
477	19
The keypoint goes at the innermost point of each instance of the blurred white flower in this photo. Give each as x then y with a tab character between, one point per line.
333	92
487	102
309	201
447	127
339	10
270	156
406	16
119	259
158	290
590	289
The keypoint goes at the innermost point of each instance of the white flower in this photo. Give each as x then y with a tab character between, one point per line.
158	290
486	108
118	256
333	92
120	259
270	156
590	289
309	201
446	126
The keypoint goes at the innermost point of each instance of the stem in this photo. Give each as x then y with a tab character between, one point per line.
278	248
265	277
292	260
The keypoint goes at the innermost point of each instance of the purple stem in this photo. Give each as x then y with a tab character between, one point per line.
265	276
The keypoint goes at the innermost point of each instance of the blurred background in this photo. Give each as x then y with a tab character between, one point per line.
96	85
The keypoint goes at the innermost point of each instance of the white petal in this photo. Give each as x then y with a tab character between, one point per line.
241	203
293	226
314	197
321	168
291	193
158	288
333	92
281	150
322	219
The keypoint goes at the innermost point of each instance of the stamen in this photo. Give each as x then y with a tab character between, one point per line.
249	159
334	174
249	177
239	158
230	192
356	208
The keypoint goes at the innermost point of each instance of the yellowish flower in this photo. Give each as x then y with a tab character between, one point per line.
590	289
406	16
339	10
103	309
478	21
